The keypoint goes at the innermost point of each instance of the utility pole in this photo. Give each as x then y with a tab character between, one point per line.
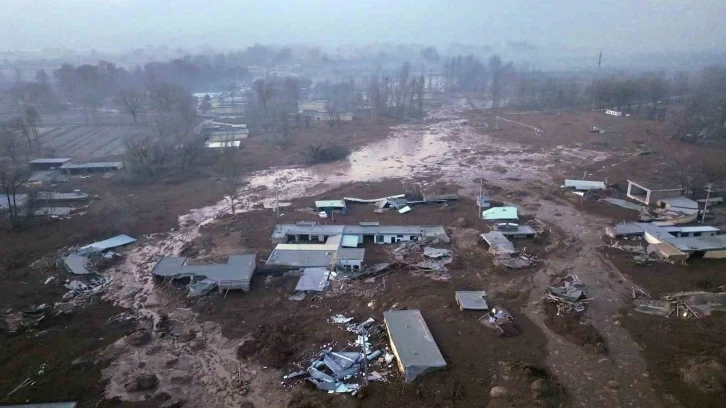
705	206
481	186
277	199
594	85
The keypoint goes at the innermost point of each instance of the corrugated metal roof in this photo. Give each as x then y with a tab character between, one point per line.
93	165
236	273
500	213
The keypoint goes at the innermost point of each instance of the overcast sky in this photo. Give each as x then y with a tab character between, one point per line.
635	25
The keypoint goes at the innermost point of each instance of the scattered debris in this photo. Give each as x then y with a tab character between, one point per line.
417	255
500	321
684	304
344	371
504	252
81	291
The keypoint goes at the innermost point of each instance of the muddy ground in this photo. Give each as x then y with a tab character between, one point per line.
233	350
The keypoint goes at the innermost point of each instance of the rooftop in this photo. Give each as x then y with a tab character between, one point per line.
54	160
92	165
330	203
500	213
412	343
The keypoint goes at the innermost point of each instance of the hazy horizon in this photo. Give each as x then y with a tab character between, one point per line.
616	26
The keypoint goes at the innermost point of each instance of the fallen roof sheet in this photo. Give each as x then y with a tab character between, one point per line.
623	203
500	213
100	246
374	200
584	185
76	264
472	299
412	343
313	279
235	274
678	203
59	211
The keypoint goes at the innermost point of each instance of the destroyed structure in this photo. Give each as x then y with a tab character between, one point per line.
504	252
235	274
412	343
673	242
650	196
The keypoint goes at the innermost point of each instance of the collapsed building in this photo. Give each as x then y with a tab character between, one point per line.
235	274
674	242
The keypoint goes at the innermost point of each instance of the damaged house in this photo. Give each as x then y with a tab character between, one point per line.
235	274
413	345
648	196
674	242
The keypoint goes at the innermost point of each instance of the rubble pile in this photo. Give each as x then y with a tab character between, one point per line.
344	371
571	295
419	255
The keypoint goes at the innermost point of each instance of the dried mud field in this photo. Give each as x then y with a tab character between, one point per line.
147	344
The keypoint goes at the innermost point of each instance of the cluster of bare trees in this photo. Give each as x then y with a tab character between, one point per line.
400	97
176	145
704	116
20	204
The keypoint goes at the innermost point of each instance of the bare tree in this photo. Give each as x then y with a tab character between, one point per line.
265	91
90	103
12	179
233	177
131	101
10	144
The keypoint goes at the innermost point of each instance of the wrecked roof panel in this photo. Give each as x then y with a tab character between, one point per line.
679	202
76	264
472	299
53	160
313	279
100	246
500	213
412	343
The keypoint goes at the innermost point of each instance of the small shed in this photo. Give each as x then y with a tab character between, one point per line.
331	205
48	163
584	185
412	343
